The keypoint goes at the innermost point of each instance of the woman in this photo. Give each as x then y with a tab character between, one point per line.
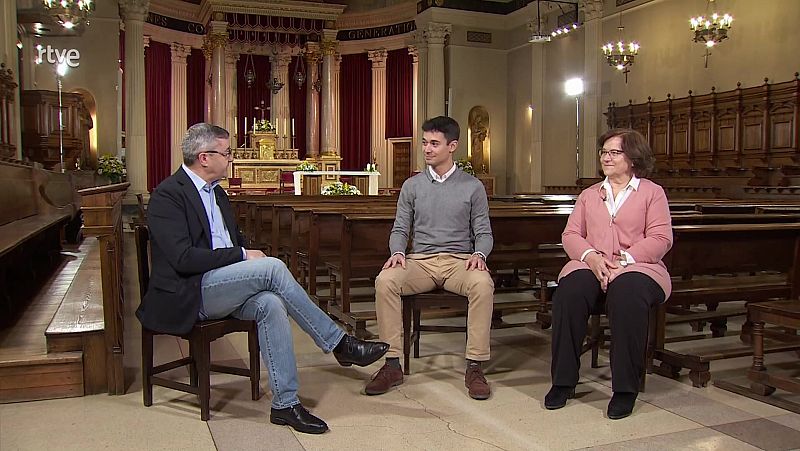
615	237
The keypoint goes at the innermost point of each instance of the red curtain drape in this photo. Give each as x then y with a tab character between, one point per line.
355	92
195	87
297	109
250	98
158	73
399	94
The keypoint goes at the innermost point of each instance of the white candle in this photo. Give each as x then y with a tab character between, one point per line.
245	125
292	126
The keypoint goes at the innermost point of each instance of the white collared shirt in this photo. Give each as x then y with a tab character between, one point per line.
441	179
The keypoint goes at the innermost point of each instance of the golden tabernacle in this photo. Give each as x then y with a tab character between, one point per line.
260	165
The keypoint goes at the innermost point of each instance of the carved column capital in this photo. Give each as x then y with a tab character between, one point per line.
146	41
231	57
436	33
377	57
134	9
329	47
312	53
592	9
179	52
413	50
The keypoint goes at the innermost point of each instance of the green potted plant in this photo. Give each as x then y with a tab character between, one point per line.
466	166
306	166
111	167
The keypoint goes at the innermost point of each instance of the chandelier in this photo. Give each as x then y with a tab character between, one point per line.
621	54
249	72
710	30
69	13
275	85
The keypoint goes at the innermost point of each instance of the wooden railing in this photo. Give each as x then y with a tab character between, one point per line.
102	217
746	131
7	89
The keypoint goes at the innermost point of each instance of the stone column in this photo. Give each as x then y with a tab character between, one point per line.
416	121
214	44
378	132
230	94
593	63
312	100
179	53
435	34
8	20
328	94
133	14
279	113
337	112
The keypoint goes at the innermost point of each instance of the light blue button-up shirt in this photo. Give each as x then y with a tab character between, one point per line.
220	237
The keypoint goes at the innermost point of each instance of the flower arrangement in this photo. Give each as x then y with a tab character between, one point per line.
111	167
264	125
371	167
340	189
466	166
306	166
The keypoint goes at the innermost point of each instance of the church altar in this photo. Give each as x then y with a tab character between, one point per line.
260	165
331	176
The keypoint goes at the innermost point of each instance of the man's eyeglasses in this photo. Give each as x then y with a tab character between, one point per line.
614	153
226	154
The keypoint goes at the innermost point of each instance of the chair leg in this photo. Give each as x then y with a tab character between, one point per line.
193	350
202	359
596	338
255	362
417	333
147	367
406	309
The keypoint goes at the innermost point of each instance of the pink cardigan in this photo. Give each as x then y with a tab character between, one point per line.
642	228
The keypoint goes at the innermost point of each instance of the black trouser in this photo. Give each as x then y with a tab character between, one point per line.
628	302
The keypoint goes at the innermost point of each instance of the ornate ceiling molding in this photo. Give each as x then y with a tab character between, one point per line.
402	12
279	8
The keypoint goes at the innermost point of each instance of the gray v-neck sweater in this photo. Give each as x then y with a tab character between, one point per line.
449	217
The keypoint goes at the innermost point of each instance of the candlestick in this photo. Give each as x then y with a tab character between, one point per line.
292	126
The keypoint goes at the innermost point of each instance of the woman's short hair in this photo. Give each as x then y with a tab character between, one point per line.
635	147
199	138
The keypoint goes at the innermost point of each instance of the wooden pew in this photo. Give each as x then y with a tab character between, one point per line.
365	237
713	264
32	221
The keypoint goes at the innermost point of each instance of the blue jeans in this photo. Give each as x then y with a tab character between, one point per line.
265	291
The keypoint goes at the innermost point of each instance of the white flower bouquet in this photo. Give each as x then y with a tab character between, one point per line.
340	189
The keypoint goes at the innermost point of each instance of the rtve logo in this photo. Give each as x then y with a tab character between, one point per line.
54	56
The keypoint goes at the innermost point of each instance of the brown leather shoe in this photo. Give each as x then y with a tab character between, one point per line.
476	383
386	377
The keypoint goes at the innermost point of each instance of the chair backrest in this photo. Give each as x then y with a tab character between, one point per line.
142	236
235	181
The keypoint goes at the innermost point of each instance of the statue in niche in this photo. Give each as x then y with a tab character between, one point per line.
479	130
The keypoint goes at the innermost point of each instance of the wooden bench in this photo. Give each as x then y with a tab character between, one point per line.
31	232
708	270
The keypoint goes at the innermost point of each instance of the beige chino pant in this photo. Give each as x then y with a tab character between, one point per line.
426	272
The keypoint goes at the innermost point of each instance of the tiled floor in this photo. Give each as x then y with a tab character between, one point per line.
431	410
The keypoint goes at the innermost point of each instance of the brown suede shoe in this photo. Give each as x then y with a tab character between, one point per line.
476	383
386	378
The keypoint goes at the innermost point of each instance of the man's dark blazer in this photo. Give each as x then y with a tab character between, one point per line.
180	246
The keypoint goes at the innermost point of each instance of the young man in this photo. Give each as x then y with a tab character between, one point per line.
200	270
449	213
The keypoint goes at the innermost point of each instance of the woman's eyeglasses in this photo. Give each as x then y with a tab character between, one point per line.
614	153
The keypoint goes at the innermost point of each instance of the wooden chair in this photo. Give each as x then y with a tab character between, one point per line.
412	312
286	182
199	338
